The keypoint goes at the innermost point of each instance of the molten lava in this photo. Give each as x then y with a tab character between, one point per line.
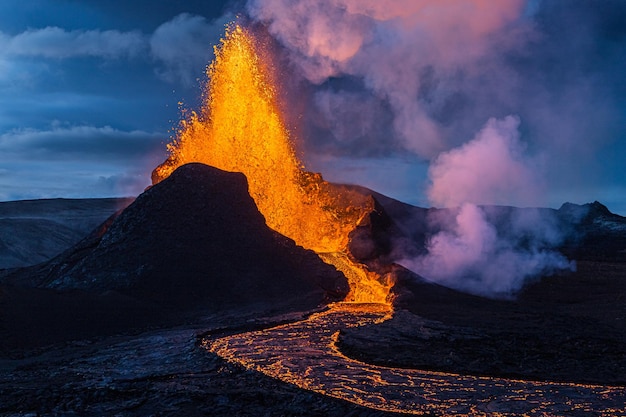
240	128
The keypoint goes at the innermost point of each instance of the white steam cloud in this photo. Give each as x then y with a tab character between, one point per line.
469	252
471	255
491	169
434	71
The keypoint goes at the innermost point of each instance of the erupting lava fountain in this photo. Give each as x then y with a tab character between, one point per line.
240	128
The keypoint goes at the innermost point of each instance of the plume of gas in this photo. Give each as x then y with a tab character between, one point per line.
440	68
389	45
488	250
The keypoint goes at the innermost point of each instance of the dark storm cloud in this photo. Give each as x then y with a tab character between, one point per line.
77	161
54	42
181	46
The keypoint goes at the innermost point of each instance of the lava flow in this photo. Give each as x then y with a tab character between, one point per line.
305	353
240	128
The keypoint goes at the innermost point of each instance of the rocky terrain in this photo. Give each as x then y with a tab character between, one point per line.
194	243
161	372
569	327
33	231
114	324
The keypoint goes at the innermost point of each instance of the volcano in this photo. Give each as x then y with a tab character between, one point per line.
197	238
211	293
194	242
194	253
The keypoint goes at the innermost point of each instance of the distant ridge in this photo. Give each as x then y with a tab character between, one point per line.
33	231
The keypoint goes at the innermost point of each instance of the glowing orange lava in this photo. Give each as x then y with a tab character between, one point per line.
240	128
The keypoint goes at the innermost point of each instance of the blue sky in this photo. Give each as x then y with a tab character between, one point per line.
90	90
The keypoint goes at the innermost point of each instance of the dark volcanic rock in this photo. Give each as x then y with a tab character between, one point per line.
595	234
589	232
371	239
569	327
33	231
198	238
194	242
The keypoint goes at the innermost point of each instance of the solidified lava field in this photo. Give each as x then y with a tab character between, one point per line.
132	346
568	328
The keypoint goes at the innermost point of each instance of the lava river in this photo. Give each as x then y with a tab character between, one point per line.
304	353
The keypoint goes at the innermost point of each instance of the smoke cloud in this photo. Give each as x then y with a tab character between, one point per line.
490	250
472	255
490	169
440	69
395	48
510	103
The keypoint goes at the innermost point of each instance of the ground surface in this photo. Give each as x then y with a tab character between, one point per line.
305	354
68	350
33	231
570	328
161	372
566	328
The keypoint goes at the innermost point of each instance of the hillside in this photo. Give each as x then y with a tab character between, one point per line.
33	231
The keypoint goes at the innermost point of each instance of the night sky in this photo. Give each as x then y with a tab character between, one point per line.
405	101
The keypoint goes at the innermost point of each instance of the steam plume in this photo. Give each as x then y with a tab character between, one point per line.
470	253
490	169
433	72
439	79
391	46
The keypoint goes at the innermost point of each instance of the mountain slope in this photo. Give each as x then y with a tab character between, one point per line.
33	231
193	243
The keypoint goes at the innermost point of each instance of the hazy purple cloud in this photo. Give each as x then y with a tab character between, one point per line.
509	102
471	255
493	168
387	78
389	45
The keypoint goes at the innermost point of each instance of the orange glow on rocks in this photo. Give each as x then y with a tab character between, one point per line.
240	128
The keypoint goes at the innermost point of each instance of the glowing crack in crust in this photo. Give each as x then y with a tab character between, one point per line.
240	129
